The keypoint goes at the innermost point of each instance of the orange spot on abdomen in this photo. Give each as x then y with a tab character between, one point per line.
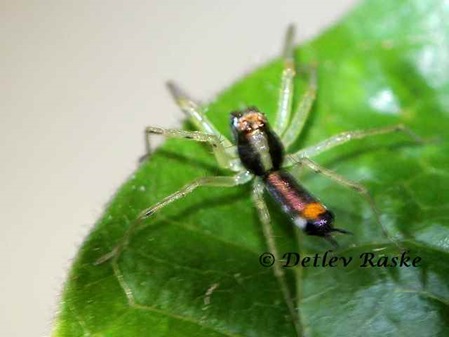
313	210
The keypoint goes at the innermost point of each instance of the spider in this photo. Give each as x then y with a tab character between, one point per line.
257	154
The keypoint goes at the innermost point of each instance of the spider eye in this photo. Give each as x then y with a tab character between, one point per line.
235	118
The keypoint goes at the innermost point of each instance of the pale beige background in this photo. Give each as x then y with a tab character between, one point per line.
79	81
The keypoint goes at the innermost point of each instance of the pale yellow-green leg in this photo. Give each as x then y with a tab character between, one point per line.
264	217
302	112
286	90
223	157
347	136
225	181
362	190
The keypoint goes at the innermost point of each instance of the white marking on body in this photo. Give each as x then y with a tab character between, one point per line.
300	222
259	143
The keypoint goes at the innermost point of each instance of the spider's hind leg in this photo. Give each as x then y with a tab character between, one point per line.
360	189
217	181
264	217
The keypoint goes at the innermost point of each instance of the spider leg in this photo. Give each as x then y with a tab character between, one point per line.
219	181
302	111
218	146
351	185
264	216
345	137
194	111
286	89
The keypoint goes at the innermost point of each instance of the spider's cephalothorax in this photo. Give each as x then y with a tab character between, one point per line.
259	148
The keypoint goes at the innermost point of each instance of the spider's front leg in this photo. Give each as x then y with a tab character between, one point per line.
302	111
222	154
287	89
225	151
289	128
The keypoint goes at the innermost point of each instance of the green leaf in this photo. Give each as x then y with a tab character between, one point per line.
193	269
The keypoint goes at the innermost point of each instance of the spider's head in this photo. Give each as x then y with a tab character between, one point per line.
247	121
259	148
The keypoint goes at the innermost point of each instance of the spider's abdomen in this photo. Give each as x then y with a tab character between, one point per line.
259	148
306	211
